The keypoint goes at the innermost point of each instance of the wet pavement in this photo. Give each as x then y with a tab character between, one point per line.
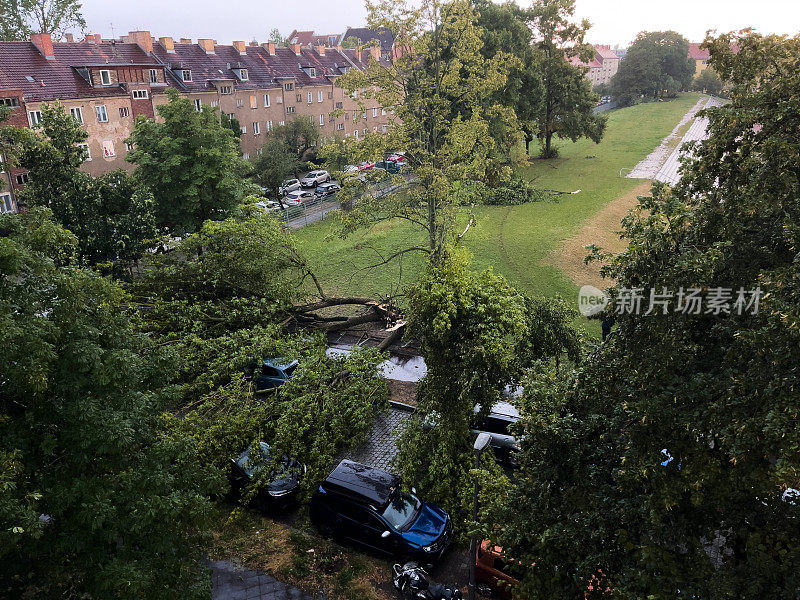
235	582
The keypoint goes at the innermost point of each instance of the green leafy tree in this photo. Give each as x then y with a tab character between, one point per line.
80	436
300	135
708	81
351	42
20	18
275	164
663	464
190	162
505	29
567	110
655	66
275	37
111	215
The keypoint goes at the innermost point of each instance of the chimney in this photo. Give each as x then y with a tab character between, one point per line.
44	43
168	44
295	48
270	48
240	47
69	37
143	39
321	50
186	40
254	43
207	45
375	52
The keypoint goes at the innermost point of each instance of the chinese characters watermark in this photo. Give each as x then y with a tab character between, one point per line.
687	301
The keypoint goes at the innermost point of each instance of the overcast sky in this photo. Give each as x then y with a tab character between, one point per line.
614	21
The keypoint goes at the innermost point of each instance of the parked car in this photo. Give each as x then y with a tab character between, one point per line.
283	483
365	166
300	196
315	177
273	372
365	506
289	185
350	169
326	190
268	206
496	424
391	166
493	572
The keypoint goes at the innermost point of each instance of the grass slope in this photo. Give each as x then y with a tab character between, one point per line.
515	240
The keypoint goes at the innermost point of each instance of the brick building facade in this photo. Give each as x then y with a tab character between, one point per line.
106	84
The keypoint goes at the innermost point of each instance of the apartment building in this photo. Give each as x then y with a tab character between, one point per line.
106	84
700	56
602	67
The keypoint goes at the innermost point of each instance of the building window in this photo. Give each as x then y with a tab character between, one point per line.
108	149
22	178
243	75
355	133
239	103
128	147
186	75
153	75
214	103
124	112
76	113
280	99
282	123
375	112
253	101
226	90
310	97
105	77
35	117
6	204
320	95
312	72
340	126
256	128
330	95
12	102
290	109
299	97
383	129
139	94
288	87
338	105
243	127
198	104
246	156
102	115
87	155
354	95
266	101
322	119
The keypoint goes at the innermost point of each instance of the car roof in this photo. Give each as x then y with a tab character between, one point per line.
280	363
364	484
502	409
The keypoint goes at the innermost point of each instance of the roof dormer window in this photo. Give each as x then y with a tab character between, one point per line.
243	75
186	75
105	77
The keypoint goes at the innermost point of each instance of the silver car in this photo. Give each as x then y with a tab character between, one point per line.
496	424
314	178
299	197
289	185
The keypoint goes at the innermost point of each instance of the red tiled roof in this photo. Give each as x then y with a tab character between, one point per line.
696	53
605	52
304	38
59	78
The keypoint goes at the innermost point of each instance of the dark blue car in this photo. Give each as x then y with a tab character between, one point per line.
365	506
273	372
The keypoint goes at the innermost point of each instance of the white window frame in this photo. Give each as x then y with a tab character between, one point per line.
243	128
34	117
186	75
153	75
244	75
105	77
108	149
374	111
355	133
124	112
312	72
282	123
320	95
310	97
269	125
226	90
6	203
22	178
77	114
322	119
87	157
290	110
266	101
140	95
198	104
100	111
256	128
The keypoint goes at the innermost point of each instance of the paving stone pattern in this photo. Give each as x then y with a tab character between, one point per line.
233	582
381	446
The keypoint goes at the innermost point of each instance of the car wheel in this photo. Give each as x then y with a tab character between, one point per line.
484	591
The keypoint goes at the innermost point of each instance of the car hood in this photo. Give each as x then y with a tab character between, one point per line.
429	525
286	477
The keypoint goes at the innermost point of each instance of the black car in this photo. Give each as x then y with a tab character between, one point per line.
366	506
326	190
283	482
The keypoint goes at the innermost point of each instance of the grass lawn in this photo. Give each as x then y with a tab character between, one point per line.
515	240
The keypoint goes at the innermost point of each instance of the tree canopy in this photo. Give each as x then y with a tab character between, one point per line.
663	465
21	18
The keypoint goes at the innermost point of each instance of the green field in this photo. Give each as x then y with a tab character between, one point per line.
515	240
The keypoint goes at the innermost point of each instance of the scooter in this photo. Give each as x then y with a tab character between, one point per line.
412	581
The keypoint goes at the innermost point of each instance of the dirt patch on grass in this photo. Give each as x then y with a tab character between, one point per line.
403	391
602	230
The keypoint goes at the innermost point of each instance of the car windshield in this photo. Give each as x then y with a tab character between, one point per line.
290	370
402	510
244	460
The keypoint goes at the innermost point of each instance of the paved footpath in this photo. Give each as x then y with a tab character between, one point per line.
233	582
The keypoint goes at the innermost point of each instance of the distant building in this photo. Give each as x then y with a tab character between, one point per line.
365	35
309	38
603	67
700	56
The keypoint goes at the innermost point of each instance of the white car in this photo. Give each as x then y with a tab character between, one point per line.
289	185
299	197
314	178
350	169
268	206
